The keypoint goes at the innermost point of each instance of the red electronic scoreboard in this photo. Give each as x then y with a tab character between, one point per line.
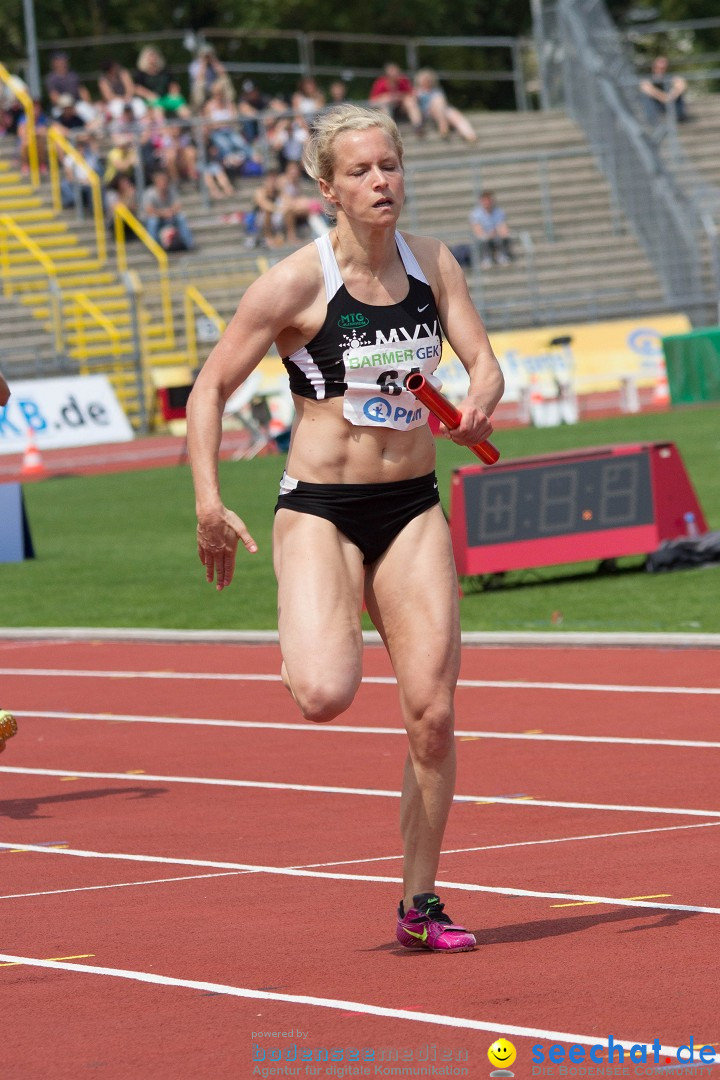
598	503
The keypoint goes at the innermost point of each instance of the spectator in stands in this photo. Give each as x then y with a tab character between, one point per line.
117	91
434	106
61	80
67	118
152	80
308	99
10	108
393	93
662	91
178	152
122	159
267	211
42	125
75	184
162	212
338	92
217	182
173	105
287	137
490	227
222	116
205	70
121	191
251	103
299	206
149	146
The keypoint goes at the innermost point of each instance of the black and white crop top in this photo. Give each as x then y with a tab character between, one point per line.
363	352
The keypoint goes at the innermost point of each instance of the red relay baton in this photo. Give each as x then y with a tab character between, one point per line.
446	412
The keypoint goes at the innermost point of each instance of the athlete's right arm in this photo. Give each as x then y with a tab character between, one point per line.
271	305
4	392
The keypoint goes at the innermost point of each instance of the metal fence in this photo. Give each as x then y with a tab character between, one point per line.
465	63
651	178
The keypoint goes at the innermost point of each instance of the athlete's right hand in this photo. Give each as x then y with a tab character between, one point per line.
217	538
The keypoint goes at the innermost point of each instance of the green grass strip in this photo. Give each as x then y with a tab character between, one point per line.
118	550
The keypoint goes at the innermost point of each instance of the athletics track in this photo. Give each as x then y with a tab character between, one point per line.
185	863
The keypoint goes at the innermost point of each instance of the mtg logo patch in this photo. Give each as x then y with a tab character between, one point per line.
352	322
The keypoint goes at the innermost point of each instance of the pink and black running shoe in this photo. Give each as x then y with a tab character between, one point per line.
426	926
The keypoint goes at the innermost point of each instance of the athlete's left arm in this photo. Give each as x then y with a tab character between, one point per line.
465	331
4	392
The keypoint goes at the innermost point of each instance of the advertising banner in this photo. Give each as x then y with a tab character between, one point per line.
593	356
74	411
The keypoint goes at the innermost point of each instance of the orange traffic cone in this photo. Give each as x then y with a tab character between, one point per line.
32	465
661	393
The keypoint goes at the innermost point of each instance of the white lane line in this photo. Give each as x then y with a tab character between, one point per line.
518	843
288	871
195	721
125	884
379	680
354	862
329	1003
328	790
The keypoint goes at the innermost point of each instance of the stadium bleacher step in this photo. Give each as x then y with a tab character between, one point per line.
46	228
104	349
39	213
45	237
163	359
10	204
22	257
13	191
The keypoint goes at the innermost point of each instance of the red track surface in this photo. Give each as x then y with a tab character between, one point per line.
595	969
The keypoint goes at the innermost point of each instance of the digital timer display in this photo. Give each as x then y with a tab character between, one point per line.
597	503
551	500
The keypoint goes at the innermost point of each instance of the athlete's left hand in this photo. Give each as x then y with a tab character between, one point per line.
475	427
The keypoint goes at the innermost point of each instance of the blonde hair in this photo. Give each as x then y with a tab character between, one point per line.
145	53
427	73
319	156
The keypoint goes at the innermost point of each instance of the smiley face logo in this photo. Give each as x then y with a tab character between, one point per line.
502	1054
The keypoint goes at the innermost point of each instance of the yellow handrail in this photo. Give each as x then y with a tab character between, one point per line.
56	142
80	303
194	296
7	225
124	217
26	101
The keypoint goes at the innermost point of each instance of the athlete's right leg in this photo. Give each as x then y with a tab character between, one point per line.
320	577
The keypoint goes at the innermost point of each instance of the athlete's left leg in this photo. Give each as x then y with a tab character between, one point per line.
411	594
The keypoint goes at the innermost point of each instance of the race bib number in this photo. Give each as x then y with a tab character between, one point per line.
375	377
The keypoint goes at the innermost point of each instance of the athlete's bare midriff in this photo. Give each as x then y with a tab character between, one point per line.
326	449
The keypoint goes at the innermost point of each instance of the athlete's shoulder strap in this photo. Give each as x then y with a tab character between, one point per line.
412	266
331	273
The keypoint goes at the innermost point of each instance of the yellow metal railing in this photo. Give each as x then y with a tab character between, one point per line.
123	218
26	101
59	146
193	296
8	228
76	322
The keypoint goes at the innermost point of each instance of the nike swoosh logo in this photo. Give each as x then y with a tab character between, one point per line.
420	937
423	308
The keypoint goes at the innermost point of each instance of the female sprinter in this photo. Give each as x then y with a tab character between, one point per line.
358	513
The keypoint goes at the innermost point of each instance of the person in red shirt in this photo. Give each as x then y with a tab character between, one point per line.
393	93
